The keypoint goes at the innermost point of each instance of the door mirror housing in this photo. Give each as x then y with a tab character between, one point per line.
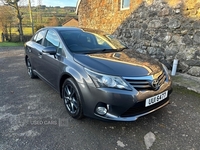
50	50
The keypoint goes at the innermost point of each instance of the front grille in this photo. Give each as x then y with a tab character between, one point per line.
144	83
161	78
139	84
139	108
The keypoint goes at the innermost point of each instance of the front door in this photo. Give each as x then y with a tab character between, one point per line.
50	65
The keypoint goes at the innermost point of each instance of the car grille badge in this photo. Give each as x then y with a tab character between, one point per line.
155	84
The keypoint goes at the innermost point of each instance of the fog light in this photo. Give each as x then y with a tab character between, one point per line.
101	110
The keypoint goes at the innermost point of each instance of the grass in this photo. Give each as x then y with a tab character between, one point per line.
11	44
26	31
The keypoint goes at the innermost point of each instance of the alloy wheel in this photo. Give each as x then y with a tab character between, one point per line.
70	99
29	69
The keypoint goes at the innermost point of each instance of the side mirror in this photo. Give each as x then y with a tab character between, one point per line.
50	50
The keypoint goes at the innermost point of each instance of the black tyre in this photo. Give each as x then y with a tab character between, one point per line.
72	98
30	70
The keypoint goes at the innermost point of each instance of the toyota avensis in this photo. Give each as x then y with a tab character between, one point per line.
96	75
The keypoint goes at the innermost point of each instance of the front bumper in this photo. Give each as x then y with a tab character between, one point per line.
122	105
109	116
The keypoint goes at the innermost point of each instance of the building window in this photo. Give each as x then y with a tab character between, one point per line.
125	4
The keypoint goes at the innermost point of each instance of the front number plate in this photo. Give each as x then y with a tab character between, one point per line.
155	99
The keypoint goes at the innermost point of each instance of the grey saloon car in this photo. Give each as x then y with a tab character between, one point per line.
96	75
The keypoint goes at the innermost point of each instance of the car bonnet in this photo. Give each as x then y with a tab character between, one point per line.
126	63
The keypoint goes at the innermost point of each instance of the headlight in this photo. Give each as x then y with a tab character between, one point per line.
102	80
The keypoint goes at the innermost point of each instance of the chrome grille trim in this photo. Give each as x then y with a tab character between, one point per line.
144	83
162	78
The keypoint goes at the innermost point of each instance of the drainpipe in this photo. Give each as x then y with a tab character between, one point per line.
175	63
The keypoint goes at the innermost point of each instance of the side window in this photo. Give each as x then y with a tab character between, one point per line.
125	4
53	40
34	38
40	36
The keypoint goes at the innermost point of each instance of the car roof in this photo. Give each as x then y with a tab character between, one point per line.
63	28
60	28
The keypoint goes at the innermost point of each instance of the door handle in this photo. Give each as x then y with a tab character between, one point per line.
29	50
40	55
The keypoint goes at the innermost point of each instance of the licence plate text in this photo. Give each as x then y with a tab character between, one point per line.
155	99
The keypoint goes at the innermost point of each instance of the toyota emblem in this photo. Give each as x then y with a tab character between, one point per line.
155	84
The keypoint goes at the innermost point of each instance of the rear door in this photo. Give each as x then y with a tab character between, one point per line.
35	49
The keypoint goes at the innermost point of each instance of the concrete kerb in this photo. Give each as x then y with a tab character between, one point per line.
190	82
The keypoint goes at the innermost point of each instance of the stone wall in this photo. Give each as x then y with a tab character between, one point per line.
164	29
103	14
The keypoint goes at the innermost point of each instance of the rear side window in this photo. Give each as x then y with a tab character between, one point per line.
35	37
39	36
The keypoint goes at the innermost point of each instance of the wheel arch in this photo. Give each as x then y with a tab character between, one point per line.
70	73
26	57
62	80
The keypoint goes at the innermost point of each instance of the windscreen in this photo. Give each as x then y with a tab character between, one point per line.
81	41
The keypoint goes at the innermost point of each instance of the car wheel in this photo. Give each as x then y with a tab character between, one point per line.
72	98
30	70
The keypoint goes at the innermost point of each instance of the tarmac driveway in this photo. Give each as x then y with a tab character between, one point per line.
33	116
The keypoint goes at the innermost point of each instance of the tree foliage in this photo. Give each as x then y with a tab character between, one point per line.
6	21
14	4
37	27
53	21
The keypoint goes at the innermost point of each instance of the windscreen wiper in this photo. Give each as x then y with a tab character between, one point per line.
99	51
121	49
